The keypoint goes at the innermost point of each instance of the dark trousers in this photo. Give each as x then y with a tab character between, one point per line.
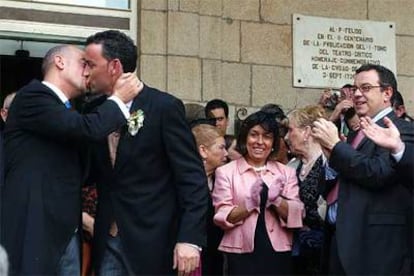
335	265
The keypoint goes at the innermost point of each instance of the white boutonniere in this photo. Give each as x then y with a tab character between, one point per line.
135	122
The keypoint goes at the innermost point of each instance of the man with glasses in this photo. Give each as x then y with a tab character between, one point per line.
371	211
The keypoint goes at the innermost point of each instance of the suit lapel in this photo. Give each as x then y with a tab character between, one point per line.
126	141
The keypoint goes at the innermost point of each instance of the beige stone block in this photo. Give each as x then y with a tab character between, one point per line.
405	57
154	71
154	4
173	5
406	88
153	32
273	85
211	7
266	44
190	5
212	78
280	11
183	34
210	37
399	11
236	84
230	40
307	97
241	9
184	78
227	81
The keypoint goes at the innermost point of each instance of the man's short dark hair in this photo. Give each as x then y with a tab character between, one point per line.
116	44
214	104
386	76
267	122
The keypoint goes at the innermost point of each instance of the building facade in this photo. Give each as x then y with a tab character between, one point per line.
236	50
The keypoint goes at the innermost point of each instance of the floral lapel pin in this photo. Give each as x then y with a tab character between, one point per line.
135	122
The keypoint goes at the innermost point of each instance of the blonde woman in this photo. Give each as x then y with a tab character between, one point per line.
311	176
212	149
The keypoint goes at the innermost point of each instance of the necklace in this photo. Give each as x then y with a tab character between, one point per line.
306	167
259	169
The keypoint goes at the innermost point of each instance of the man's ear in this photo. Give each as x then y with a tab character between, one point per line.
388	93
116	67
59	62
203	151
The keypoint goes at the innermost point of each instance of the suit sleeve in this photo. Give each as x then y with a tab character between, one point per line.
41	113
190	178
371	166
406	165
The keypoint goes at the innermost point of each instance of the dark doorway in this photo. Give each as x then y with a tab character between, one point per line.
16	71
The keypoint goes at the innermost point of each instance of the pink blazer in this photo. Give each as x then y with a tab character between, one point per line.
232	183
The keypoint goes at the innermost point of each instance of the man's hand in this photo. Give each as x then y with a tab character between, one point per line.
326	94
388	137
127	87
326	133
186	258
340	108
87	223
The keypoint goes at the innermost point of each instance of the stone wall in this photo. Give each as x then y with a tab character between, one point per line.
241	50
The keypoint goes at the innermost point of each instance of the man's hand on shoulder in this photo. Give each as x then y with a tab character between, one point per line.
127	87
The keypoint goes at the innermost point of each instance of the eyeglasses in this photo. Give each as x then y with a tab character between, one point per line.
363	88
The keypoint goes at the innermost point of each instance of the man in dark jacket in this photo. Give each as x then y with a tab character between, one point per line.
372	215
152	189
40	200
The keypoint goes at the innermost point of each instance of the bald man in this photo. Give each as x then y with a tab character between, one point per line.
40	200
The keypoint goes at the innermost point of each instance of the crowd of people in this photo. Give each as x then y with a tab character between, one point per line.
130	181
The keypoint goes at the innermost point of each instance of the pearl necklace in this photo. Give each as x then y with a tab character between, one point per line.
259	169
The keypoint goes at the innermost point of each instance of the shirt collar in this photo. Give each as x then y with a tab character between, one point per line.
382	114
57	91
128	105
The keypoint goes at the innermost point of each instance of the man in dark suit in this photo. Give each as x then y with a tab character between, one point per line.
40	200
390	138
372	216
152	189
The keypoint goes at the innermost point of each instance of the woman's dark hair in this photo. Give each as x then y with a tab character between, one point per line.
267	122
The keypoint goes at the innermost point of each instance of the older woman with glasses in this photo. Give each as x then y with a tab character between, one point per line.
257	202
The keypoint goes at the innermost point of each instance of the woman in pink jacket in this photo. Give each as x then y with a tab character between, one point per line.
257	203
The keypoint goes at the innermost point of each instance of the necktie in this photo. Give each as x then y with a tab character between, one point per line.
68	105
113	140
333	194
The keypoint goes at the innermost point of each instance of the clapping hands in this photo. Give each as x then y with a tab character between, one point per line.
275	190
253	198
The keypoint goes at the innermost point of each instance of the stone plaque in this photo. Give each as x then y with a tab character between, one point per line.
327	51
